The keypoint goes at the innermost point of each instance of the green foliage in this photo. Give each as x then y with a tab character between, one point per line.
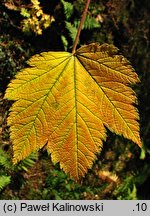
5	160
24	165
27	163
4	181
65	42
127	190
68	9
72	30
72	21
59	186
5	165
8	170
90	23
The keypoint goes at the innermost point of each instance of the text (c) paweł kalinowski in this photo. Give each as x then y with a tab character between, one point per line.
61	207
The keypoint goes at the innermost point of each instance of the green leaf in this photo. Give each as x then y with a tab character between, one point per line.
4	181
68	8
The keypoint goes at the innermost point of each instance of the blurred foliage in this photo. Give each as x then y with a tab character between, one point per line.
5	179
122	170
72	20
12	58
34	18
9	172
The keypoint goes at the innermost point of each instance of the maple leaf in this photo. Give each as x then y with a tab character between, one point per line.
67	100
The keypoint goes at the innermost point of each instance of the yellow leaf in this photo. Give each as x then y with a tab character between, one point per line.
66	100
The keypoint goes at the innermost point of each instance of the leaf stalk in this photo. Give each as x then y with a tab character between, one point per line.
80	26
